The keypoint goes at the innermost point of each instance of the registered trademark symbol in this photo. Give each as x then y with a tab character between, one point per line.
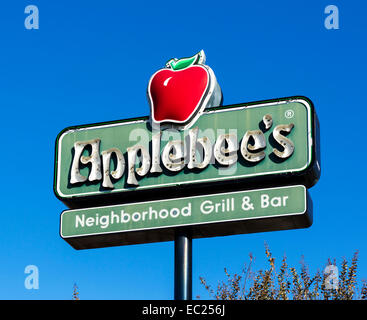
289	114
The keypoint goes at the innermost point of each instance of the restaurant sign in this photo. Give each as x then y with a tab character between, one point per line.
191	148
234	146
207	216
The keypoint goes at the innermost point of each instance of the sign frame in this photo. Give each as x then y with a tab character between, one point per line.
308	176
244	225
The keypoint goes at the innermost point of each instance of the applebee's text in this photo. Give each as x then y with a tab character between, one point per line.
191	152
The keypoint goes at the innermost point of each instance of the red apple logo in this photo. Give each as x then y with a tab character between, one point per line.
179	93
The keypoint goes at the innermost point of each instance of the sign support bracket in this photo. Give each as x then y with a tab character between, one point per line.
183	265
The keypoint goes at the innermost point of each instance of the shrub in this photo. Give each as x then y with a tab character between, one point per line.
288	284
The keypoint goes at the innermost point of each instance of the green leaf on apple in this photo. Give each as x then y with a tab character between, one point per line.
179	64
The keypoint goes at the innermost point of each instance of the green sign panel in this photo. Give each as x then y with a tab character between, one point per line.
205	216
228	148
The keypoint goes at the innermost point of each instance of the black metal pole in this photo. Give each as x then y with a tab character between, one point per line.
183	265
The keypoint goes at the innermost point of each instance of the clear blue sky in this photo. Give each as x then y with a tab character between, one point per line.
90	61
